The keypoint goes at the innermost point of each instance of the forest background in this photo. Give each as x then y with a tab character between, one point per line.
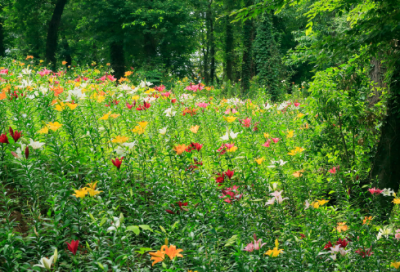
341	54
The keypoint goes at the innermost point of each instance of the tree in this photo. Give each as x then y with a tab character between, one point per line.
247	61
52	33
267	56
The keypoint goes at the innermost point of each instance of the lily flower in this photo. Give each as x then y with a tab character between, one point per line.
255	245
36	145
47	263
163	131
115	225
169	112
117	162
15	135
274	252
279	163
4	139
375	191
73	246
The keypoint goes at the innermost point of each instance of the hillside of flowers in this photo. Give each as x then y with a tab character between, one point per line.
106	174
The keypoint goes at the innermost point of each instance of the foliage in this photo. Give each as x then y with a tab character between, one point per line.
128	170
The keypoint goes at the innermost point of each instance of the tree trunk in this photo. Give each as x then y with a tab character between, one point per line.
2	47
52	34
117	59
212	44
229	49
385	172
247	54
67	51
150	48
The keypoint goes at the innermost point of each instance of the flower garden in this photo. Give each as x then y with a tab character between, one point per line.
100	174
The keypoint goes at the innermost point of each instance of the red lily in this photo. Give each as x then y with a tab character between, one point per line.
333	170
343	243
131	106
145	106
15	135
245	122
27	152
160	88
73	246
232	193
375	191
117	162
181	204
4	139
194	146
364	253
220	178
328	246
229	173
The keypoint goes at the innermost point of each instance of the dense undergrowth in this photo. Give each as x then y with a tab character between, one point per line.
133	172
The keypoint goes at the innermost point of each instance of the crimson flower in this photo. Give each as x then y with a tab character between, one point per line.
302	236
220	178
73	246
194	146
15	135
328	246
111	77
27	152
170	212
333	170
4	139
364	253
173	100
181	204
375	191
129	106
267	143
145	106
231	194
343	243
296	104
245	122
229	173
117	162
160	88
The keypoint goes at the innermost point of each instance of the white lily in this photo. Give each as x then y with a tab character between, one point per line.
43	89
149	99
385	231
124	87
229	133
226	136
46	263
130	145
169	112
233	135
121	152
274	163
116	224
26	71
36	145
267	106
387	192
163	131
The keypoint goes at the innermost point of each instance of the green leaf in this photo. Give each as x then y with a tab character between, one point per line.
146	227
163	230
135	229
231	241
143	250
